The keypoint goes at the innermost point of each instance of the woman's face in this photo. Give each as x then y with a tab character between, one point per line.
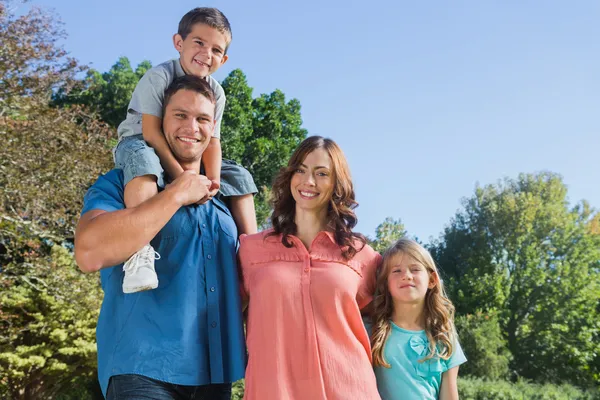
312	183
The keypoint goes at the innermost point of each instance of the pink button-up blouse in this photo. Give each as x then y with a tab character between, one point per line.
305	334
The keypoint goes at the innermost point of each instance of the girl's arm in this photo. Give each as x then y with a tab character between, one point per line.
449	388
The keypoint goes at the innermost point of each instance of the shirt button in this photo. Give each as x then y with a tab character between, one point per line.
305	269
212	289
204	225
214	324
209	257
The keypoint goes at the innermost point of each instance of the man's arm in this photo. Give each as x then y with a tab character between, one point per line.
104	239
152	132
449	387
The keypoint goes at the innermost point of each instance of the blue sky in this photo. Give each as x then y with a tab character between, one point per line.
425	98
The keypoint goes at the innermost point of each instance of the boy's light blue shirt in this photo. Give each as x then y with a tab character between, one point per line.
407	379
189	330
149	94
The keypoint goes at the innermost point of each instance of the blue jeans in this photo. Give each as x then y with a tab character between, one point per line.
138	387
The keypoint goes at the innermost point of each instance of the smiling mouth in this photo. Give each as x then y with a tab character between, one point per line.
309	195
188	140
203	64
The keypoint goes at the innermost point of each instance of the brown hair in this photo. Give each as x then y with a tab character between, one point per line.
189	82
207	16
340	213
439	311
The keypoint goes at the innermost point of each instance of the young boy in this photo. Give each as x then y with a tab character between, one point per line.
202	40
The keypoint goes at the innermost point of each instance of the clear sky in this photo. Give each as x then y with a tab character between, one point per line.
425	98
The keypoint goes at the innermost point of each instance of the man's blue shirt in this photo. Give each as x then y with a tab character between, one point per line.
189	330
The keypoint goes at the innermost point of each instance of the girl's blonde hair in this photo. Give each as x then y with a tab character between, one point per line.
439	311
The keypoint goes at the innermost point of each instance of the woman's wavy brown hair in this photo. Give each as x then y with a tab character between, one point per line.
439	311
340	214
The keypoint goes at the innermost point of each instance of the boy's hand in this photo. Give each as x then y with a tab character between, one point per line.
213	189
215	185
190	187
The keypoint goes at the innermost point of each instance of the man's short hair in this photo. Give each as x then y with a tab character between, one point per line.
189	82
207	16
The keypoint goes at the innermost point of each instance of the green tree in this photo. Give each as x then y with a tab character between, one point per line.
48	314
49	156
386	233
484	345
31	63
259	134
109	93
518	248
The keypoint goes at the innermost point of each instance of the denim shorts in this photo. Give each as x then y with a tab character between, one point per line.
136	158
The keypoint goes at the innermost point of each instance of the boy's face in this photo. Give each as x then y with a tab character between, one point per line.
203	50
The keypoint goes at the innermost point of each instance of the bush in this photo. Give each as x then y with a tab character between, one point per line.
48	313
483	344
481	389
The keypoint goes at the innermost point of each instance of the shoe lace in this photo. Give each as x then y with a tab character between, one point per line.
143	257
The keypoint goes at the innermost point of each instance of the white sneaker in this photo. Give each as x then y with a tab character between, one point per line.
139	271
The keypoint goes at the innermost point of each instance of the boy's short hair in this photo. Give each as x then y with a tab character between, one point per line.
189	82
207	16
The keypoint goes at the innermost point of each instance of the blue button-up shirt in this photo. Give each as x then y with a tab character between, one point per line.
189	330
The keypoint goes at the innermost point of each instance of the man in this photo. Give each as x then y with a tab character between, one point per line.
184	339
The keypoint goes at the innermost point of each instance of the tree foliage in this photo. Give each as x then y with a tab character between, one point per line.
31	63
107	93
259	134
48	314
484	345
518	248
386	233
48	156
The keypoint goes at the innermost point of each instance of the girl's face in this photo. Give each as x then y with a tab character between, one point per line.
409	280
312	183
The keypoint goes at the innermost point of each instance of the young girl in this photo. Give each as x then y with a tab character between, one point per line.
416	353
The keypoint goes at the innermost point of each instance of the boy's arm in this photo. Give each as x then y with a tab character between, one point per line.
449	387
212	159
152	132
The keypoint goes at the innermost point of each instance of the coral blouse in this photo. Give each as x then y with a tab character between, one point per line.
305	335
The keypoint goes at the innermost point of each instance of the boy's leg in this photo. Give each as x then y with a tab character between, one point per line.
139	269
237	185
142	173
140	189
244	214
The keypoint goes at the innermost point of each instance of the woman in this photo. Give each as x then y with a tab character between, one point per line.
306	280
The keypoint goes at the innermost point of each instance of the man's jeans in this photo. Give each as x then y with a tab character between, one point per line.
137	387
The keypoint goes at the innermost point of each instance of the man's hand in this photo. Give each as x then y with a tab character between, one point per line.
190	187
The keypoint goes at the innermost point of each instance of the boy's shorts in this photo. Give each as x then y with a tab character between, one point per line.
136	158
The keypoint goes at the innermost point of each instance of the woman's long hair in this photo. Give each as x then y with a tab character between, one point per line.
438	311
340	214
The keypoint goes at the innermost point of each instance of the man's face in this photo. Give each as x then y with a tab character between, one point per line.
188	125
203	50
